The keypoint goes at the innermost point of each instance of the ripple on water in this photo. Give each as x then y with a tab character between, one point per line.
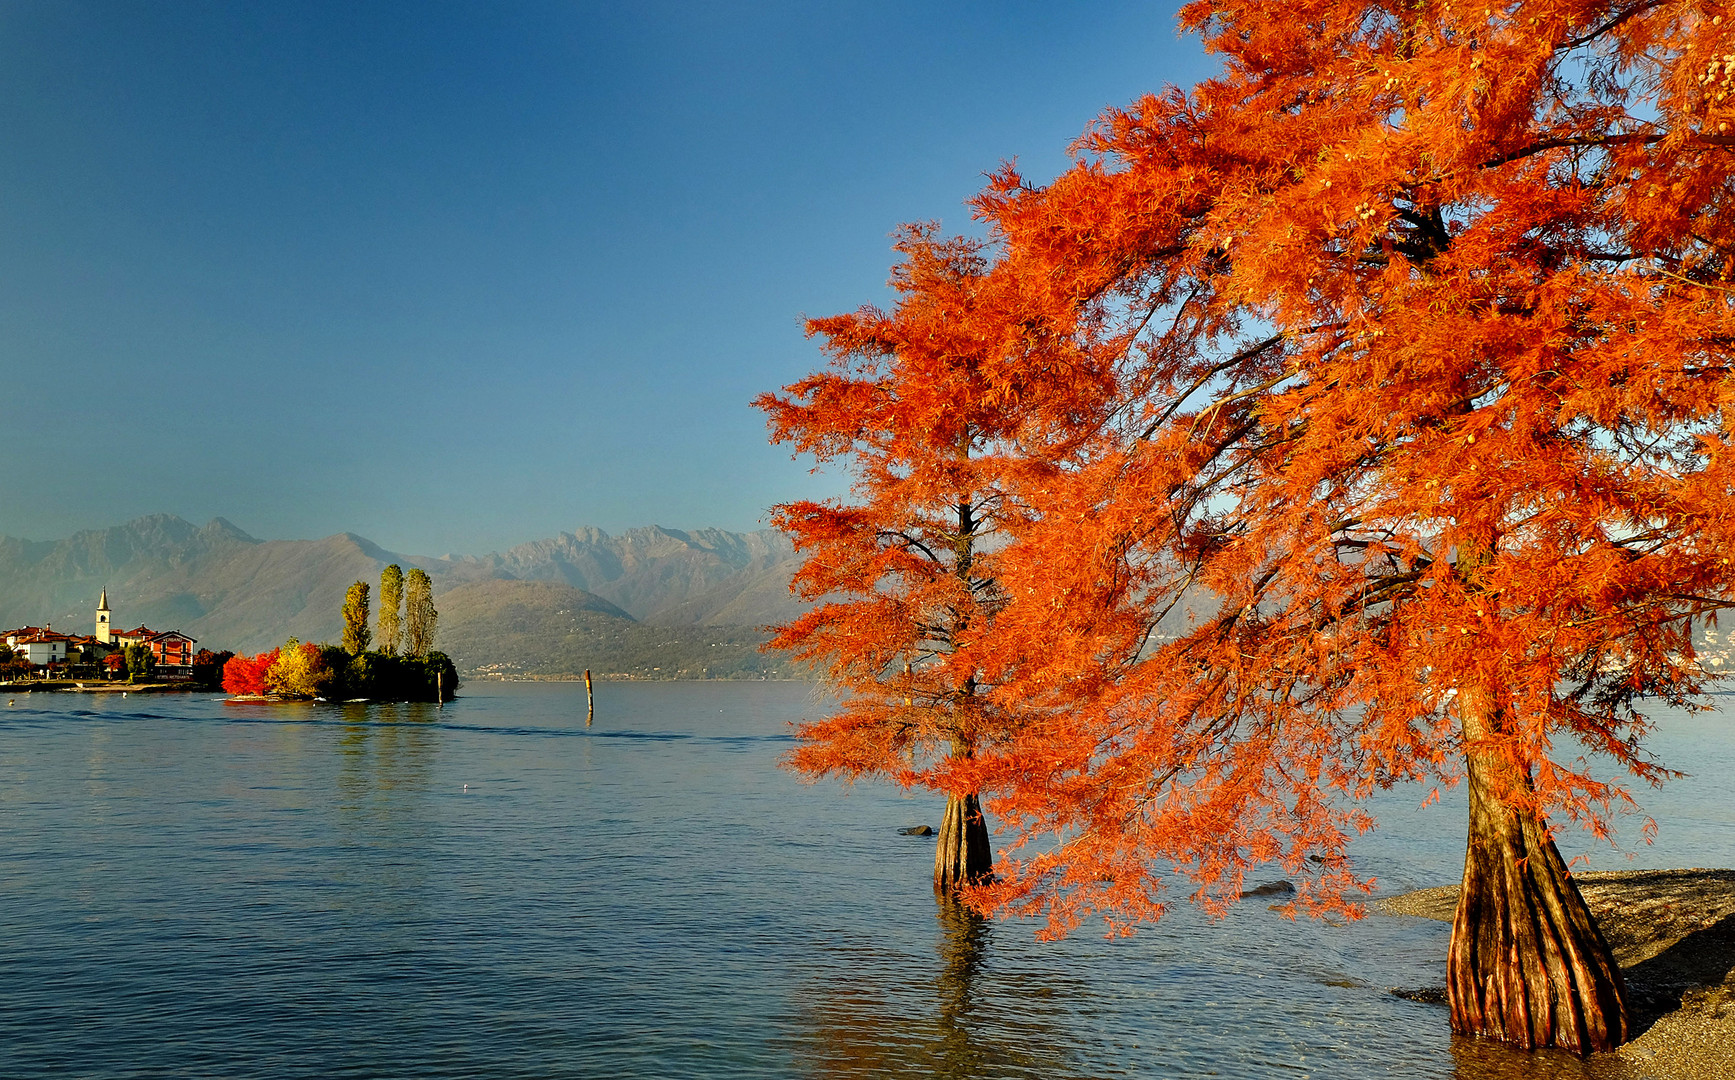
490	889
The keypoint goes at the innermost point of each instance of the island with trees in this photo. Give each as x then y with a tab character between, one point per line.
404	666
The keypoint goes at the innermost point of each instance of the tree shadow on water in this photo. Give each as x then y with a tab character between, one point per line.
964	1024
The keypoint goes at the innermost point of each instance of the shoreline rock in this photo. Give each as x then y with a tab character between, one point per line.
1673	933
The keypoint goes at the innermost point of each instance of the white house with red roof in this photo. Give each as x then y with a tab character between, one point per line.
40	645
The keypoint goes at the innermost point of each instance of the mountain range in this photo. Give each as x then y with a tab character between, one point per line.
704	590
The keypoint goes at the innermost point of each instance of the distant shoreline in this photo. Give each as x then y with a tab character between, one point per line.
69	686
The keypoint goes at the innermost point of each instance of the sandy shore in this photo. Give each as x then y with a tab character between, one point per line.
1673	932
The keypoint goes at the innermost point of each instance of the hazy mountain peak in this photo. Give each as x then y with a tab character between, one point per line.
231	590
152	528
366	546
221	527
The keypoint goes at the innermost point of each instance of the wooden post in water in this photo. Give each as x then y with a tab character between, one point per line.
440	686
589	700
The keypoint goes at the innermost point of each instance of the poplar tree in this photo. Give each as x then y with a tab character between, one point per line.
419	614
391	605
355	629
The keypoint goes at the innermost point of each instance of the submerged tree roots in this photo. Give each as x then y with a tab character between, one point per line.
962	855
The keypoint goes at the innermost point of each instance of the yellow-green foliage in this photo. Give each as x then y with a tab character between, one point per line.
299	672
391	604
356	634
420	618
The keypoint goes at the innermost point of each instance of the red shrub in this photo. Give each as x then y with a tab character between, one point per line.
246	674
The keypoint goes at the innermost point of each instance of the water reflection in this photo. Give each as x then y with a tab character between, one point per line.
383	765
384	817
964	937
196	888
970	1021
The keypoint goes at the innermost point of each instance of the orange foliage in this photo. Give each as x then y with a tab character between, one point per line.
907	591
1401	348
922	405
246	674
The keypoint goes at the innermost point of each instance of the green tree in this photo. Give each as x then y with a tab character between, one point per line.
391	603
355	632
140	662
419	614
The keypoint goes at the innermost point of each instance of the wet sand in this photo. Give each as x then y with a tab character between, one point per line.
1673	932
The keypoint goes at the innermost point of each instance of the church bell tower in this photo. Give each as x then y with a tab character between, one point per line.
104	632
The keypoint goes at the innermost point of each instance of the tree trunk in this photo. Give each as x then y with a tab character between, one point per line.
1527	964
962	855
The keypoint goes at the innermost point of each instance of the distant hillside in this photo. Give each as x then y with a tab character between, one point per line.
216	582
665	576
233	591
545	628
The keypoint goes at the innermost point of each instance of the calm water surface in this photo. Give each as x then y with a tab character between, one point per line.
197	889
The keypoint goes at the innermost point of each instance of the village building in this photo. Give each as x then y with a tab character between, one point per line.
43	647
138	636
40	646
173	653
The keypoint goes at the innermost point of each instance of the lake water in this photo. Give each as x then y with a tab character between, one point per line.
489	889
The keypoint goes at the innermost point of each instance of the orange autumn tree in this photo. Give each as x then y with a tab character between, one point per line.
1431	313
246	674
920	405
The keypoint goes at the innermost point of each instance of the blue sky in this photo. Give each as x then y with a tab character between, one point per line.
456	276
